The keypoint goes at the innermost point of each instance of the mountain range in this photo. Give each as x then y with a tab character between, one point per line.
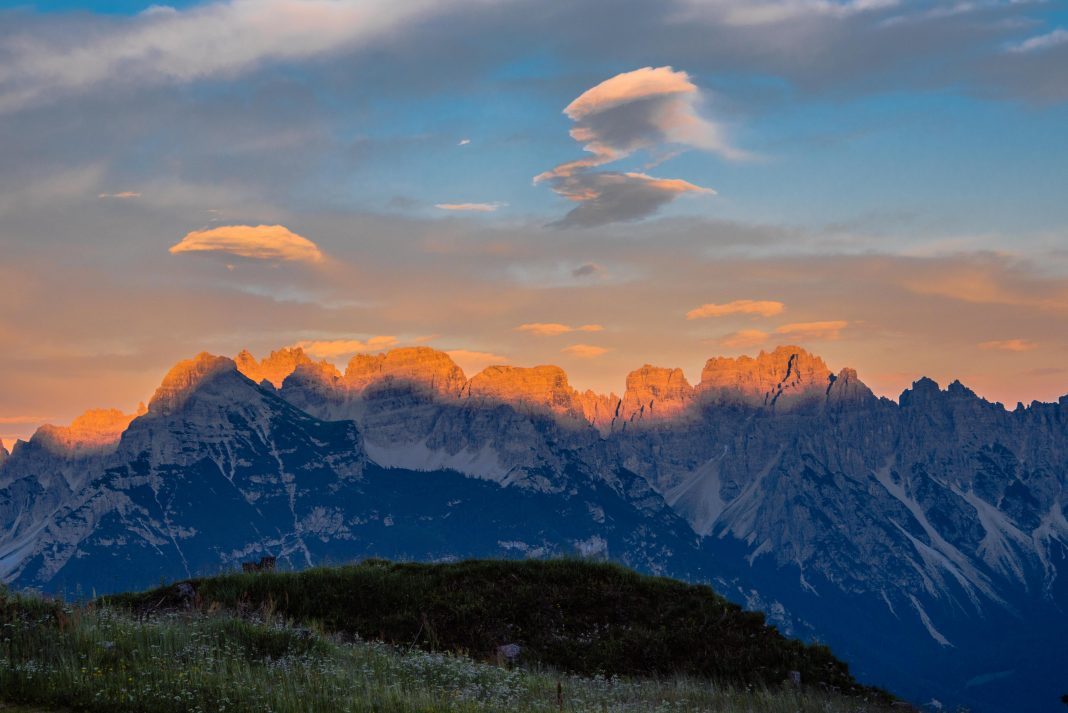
924	539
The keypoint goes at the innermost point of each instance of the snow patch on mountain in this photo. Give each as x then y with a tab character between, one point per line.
483	463
926	621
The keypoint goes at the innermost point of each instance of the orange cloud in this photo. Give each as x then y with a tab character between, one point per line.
553	329
584	351
764	308
744	339
9	420
470	207
122	195
1009	345
630	86
473	362
814	330
327	349
260	242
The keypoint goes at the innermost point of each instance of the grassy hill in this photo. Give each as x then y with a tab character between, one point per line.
411	637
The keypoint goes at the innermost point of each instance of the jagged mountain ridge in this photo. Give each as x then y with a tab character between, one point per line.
930	522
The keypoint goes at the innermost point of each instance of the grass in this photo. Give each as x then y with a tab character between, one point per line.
102	659
577	616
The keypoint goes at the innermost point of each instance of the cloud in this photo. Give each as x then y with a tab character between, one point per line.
1009	345
829	330
1041	42
749	13
607	197
640	110
764	308
260	242
552	329
588	269
12	420
328	349
473	362
584	351
470	207
463	142
744	338
122	195
176	46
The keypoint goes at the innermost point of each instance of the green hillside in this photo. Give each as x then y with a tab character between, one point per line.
411	637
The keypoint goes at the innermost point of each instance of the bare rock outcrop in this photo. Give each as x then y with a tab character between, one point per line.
787	378
95	431
184	377
655	394
421	368
274	368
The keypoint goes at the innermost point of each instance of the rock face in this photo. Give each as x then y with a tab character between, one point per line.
274	368
655	394
418	368
935	525
95	431
786	378
184	379
538	389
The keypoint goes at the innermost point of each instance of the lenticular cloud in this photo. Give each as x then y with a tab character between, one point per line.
259	242
646	109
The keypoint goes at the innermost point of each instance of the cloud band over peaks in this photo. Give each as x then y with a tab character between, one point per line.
258	242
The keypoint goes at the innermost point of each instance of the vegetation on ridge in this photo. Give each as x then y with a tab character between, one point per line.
572	615
296	642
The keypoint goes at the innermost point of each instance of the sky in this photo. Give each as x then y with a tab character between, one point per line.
597	184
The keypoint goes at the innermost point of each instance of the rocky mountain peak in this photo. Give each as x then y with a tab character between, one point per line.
274	368
655	392
536	386
784	378
923	391
423	368
185	377
94	431
847	388
3	452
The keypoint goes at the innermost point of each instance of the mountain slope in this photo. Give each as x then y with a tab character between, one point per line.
935	525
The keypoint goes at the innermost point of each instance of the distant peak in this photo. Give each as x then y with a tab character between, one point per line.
421	367
543	388
94	431
274	368
184	377
785	377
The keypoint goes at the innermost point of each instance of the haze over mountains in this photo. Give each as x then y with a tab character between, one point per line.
924	539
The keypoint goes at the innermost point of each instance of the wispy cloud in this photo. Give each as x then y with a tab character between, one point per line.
553	329
828	330
9	420
470	207
584	351
763	308
216	38
121	195
632	111
473	362
1041	42
332	348
744	338
1009	345
748	13
463	142
260	242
